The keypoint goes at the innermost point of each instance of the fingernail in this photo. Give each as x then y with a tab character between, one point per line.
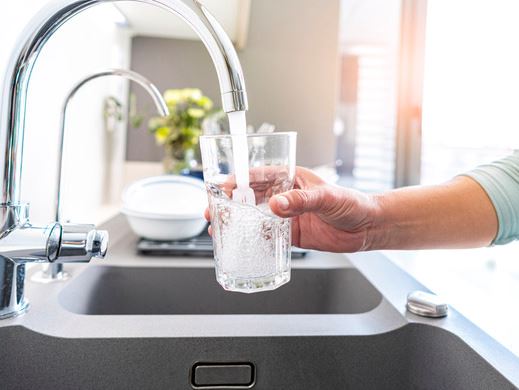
282	202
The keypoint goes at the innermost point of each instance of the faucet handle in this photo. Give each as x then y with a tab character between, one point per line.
100	244
81	242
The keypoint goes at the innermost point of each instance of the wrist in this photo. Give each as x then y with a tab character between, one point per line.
377	236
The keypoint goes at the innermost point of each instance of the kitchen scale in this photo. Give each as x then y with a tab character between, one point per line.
199	246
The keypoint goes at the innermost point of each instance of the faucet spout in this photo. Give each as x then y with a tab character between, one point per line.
41	28
148	86
79	242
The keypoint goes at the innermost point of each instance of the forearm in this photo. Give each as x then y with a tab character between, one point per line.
457	214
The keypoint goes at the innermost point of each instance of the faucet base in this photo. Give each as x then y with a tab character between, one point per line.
22	307
12	298
51	273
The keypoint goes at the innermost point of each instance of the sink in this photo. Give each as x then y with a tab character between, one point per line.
136	322
153	290
415	356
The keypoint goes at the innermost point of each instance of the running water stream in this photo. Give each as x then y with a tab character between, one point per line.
238	130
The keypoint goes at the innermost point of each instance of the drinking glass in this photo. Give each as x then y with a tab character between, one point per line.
252	246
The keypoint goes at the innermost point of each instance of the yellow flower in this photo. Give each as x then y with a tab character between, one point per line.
191	93
195	112
172	96
205	102
161	134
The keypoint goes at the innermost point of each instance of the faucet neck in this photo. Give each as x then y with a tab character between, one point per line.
41	28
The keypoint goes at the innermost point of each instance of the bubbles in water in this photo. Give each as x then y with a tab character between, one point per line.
249	241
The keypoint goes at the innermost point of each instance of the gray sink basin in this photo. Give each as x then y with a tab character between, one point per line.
145	290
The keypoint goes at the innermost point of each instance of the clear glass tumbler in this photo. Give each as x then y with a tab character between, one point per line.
252	246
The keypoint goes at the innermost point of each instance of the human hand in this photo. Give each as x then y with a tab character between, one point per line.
325	217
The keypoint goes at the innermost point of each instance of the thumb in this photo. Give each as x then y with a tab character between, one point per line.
297	202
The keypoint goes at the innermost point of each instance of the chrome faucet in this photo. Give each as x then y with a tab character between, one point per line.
20	242
54	271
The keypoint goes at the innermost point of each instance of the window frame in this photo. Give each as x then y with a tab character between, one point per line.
410	93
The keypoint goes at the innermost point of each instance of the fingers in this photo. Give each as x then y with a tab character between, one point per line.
306	179
207	217
309	195
272	179
297	202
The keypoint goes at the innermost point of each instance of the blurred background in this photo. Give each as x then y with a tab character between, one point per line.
382	93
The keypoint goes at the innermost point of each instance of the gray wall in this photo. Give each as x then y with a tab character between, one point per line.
290	65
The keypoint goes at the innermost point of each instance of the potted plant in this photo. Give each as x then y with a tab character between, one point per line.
178	132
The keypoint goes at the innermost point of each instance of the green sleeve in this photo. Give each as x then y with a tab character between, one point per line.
500	180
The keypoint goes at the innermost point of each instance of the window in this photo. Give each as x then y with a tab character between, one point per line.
367	103
471	85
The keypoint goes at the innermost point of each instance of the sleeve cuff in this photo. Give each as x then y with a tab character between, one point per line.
501	187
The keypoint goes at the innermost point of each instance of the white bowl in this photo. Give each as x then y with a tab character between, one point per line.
166	207
165	229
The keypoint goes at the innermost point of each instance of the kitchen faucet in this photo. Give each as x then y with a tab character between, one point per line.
22	243
54	271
